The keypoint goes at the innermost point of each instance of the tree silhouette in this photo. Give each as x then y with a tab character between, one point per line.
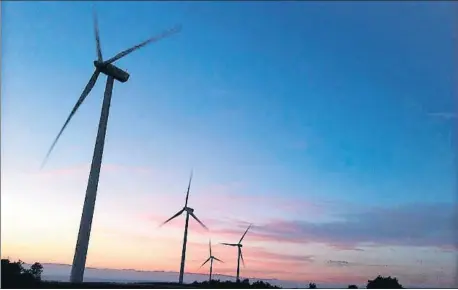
262	285
352	286
312	286
384	283
244	284
11	270
36	270
246	281
15	276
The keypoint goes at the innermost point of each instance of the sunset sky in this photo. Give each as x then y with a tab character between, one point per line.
329	126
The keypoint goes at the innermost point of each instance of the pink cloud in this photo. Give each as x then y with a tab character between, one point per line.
229	196
427	225
352	230
263	255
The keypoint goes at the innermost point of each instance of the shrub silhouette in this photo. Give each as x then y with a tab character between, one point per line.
352	286
36	270
262	285
312	286
244	284
384	283
15	276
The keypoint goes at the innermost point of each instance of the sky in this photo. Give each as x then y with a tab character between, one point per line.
330	126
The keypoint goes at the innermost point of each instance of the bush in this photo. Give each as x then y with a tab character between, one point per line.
244	284
384	283
15	276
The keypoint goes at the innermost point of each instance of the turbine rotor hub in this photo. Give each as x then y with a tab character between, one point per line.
112	70
188	209
98	64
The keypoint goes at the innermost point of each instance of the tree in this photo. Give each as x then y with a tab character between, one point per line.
384	283
15	276
244	284
36	270
12	270
263	285
352	286
312	286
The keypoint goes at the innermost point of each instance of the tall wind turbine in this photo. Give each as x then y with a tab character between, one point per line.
113	73
210	258
239	255
189	212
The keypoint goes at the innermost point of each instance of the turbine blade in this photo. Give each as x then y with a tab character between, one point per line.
205	262
241	256
164	34
177	214
97	36
226	244
194	216
210	246
187	192
83	96
218	259
245	233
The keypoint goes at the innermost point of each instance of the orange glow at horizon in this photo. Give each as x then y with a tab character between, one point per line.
132	240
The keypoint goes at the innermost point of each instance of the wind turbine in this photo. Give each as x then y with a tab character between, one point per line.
239	255
211	258
113	73
189	212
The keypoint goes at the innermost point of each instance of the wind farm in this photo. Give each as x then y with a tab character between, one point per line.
114	73
253	145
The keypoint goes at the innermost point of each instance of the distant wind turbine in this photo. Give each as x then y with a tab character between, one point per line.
239	255
113	73
189	212
211	258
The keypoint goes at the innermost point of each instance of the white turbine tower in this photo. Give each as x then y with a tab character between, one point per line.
210	258
189	212
239	255
113	73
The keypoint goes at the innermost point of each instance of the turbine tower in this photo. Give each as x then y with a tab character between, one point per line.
189	212
210	258
113	73
239	255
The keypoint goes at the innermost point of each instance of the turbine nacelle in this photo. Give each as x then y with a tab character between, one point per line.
112	70
188	209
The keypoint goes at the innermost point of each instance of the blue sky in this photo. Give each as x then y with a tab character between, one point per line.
344	108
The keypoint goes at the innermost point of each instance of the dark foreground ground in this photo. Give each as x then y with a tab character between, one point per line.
95	285
106	285
23	284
